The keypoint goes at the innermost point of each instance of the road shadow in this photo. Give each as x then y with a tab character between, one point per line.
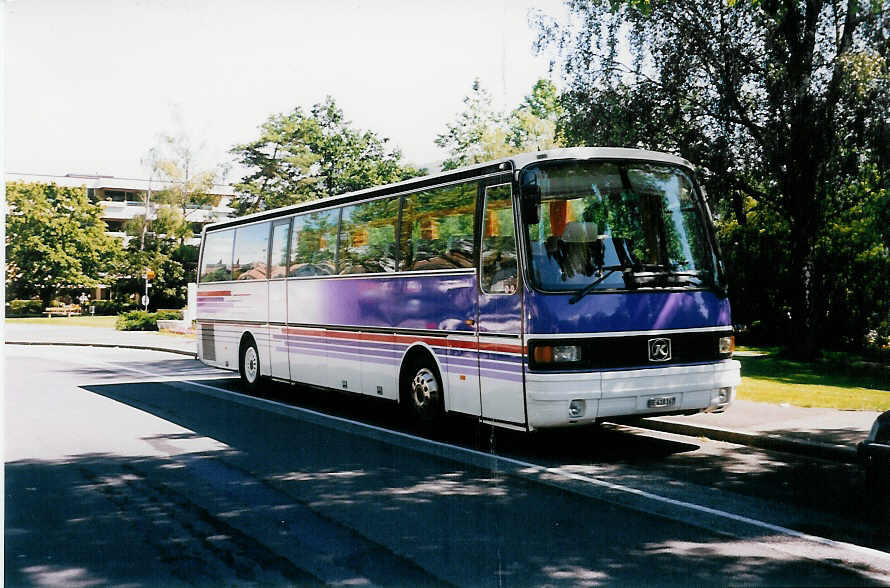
398	497
111	519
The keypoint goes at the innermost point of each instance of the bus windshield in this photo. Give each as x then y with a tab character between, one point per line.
607	225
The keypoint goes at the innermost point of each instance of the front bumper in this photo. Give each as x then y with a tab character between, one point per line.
629	393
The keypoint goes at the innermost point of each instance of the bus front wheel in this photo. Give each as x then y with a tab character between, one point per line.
422	392
249	366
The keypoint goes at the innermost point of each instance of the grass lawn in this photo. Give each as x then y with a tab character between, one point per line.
71	321
770	378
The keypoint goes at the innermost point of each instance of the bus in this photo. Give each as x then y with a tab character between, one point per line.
549	289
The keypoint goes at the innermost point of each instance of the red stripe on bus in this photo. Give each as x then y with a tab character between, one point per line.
215	293
398	338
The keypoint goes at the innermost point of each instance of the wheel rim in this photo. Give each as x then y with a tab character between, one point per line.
425	390
251	365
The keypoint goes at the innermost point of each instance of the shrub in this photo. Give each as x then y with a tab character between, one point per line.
24	308
109	307
137	320
169	315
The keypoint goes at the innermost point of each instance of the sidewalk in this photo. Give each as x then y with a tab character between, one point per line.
820	432
826	433
30	334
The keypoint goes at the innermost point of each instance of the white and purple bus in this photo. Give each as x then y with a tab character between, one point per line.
546	289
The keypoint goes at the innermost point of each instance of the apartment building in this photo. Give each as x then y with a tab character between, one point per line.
122	199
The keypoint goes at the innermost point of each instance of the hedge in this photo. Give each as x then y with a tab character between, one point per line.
24	308
139	320
109	307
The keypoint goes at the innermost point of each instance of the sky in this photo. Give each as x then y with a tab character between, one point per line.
90	84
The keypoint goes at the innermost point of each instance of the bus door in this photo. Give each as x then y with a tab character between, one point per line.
499	334
278	266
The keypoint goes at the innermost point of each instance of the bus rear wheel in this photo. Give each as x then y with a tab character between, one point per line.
249	366
422	392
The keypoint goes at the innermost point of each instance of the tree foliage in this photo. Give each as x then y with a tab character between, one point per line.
480	133
55	239
303	156
186	190
783	103
174	264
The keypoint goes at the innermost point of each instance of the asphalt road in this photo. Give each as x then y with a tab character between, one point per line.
144	468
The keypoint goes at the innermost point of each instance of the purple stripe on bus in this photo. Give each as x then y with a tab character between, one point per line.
350	357
348	342
343	348
484	364
510	377
356	355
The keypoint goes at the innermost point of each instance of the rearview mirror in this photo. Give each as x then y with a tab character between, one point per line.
530	202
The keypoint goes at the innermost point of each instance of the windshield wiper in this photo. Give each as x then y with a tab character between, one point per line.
589	287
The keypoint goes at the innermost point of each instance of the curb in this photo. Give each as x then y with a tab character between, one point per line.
828	451
108	345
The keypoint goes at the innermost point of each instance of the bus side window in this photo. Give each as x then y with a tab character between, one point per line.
216	261
251	252
437	228
368	237
278	256
314	243
499	272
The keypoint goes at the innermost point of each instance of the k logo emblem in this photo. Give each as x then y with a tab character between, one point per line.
659	349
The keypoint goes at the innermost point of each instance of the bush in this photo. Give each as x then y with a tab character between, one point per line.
137	320
24	308
169	315
109	307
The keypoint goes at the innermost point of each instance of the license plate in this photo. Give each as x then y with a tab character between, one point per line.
662	402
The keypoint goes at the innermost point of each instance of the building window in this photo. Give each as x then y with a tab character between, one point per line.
114	226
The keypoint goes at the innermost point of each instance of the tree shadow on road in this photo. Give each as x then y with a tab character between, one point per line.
460	523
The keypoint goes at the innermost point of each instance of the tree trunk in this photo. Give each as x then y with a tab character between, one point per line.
804	342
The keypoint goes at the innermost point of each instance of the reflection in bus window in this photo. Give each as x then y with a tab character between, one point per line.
604	216
368	237
437	228
251	251
217	261
314	244
280	237
499	273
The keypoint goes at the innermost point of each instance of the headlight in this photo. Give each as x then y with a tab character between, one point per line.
726	345
566	353
557	353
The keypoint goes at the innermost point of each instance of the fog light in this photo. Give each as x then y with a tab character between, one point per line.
724	395
576	409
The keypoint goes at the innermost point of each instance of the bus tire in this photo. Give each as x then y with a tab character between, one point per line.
249	365
422	392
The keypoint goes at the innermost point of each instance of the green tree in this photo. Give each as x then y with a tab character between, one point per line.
55	239
780	101
174	264
476	129
479	133
303	156
186	189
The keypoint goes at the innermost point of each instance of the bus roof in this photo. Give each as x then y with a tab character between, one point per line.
503	165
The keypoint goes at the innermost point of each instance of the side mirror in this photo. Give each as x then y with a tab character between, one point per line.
530	202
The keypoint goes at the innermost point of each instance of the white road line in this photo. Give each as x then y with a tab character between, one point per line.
535	468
